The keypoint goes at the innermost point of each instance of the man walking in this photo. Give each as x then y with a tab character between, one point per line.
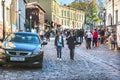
59	43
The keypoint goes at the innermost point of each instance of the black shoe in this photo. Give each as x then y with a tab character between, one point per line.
72	58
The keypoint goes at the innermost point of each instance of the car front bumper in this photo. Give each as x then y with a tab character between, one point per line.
28	60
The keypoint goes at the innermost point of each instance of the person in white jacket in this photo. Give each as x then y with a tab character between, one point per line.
88	39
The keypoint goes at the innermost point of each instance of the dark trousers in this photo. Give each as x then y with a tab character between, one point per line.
59	51
94	42
114	43
81	39
88	43
42	37
72	54
102	39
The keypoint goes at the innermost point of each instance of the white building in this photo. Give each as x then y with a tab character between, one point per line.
112	13
21	14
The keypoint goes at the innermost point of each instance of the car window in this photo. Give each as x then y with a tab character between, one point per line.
23	38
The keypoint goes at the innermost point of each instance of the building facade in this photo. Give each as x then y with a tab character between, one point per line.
112	13
7	17
63	16
35	15
11	16
21	14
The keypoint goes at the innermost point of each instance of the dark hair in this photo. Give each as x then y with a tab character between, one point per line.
95	29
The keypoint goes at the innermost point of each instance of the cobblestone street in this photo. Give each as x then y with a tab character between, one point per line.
95	64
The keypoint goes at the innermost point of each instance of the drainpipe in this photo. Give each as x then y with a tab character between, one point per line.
11	16
113	10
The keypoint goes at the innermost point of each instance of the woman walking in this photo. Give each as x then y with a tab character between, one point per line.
95	37
88	39
59	43
71	44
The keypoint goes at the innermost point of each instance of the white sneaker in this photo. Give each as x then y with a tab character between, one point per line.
60	59
57	58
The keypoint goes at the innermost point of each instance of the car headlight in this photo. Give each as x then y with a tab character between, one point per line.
37	51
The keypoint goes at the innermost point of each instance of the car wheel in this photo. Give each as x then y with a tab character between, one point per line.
1	64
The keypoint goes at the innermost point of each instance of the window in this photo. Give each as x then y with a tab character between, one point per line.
116	17
62	13
65	13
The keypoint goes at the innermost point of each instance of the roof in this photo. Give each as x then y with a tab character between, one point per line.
35	4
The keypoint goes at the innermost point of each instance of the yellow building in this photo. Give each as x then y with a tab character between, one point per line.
63	16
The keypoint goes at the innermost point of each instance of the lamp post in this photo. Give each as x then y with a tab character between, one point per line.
19	12
104	18
3	4
30	23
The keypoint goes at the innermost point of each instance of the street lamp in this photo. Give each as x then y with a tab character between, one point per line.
3	3
19	12
30	23
104	19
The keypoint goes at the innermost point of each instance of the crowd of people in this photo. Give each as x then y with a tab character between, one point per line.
74	37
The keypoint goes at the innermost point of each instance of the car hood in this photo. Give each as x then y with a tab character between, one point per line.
20	46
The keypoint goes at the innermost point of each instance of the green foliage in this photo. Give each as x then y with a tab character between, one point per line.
90	9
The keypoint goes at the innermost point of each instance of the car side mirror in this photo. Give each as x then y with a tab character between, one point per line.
44	43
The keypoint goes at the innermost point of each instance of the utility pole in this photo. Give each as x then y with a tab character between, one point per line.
113	11
3	3
19	12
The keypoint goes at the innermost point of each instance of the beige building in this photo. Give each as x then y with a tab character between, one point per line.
63	16
7	17
112	13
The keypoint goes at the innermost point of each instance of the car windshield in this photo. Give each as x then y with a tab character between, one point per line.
23	38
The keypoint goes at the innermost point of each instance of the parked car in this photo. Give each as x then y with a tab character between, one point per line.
22	48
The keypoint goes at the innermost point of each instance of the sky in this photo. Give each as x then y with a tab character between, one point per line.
69	1
65	1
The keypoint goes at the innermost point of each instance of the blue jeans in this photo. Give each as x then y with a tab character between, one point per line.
59	51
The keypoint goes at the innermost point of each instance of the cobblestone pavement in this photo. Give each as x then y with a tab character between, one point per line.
95	64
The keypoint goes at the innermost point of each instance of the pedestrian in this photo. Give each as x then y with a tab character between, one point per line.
42	33
47	35
95	38
102	33
113	40
81	34
59	43
71	44
88	39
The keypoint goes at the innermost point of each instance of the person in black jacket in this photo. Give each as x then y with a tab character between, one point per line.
71	44
59	43
102	33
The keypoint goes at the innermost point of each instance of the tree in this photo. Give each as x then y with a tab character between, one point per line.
91	9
